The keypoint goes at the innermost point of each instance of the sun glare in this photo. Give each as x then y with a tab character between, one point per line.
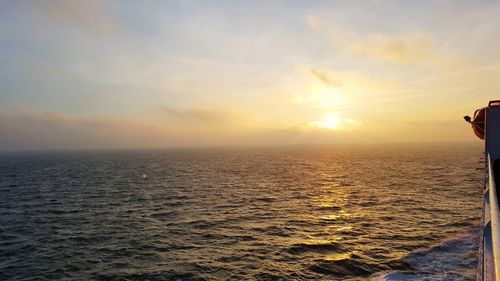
331	121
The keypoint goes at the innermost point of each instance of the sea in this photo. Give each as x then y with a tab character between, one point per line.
392	212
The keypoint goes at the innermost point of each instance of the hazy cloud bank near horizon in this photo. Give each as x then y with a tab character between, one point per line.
54	131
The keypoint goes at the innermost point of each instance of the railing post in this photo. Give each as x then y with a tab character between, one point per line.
494	217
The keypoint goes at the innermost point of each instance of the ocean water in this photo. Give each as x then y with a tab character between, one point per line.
294	213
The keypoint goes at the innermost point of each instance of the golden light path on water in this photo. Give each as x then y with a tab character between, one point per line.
298	213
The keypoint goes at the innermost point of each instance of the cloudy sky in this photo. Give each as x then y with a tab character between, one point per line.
139	74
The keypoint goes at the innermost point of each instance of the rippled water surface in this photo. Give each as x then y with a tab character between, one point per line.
387	213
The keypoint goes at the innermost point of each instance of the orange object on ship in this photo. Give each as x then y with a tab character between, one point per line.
478	120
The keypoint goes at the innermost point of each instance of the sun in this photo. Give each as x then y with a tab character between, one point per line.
331	121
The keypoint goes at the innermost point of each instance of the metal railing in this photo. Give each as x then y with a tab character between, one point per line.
494	219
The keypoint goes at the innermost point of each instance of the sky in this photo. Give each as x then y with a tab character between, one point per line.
154	74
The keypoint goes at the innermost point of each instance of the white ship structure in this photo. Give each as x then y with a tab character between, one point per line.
486	125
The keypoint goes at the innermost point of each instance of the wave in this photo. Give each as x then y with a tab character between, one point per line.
321	247
455	258
169	275
356	265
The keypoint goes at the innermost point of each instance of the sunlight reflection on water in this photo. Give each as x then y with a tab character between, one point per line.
292	213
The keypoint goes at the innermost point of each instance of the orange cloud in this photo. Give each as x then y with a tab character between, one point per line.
415	48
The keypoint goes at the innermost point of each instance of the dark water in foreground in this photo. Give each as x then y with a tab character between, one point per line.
398	213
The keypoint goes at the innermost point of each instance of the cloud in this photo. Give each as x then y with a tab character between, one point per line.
56	131
49	130
414	48
324	77
203	117
406	48
192	127
351	83
90	15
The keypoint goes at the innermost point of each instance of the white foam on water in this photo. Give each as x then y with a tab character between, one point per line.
452	259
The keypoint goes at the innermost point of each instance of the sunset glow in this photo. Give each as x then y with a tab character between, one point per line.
95	74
